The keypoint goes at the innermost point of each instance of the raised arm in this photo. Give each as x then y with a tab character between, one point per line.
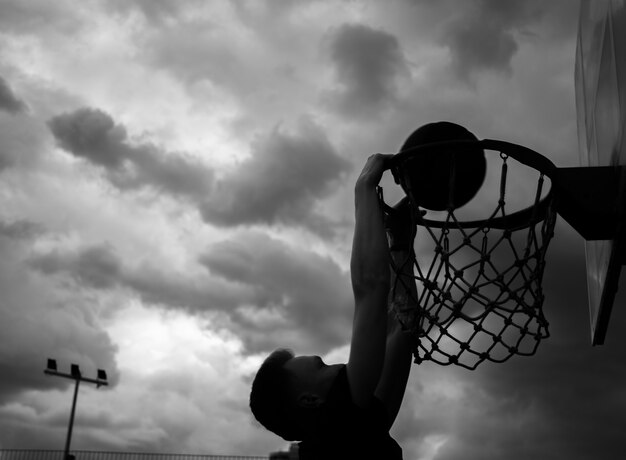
370	273
398	355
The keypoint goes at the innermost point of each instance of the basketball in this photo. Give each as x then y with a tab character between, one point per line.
443	178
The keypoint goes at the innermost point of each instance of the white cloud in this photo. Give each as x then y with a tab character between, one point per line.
198	376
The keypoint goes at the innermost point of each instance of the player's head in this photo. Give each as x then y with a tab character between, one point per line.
287	389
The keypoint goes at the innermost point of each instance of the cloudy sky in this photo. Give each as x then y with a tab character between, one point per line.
176	201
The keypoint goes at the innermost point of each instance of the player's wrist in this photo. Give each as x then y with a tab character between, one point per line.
366	183
400	242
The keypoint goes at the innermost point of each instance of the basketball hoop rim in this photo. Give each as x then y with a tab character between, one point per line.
519	219
518	152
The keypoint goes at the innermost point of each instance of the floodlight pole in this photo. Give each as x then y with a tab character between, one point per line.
68	440
77	377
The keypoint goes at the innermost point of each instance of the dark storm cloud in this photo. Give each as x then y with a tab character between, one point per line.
96	266
100	267
5	161
281	182
93	135
270	293
367	63
551	404
311	293
481	47
35	323
20	229
485	36
9	101
579	388
483	39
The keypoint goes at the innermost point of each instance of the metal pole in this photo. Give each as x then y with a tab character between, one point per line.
66	452
77	377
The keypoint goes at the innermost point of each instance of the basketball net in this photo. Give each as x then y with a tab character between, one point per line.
479	296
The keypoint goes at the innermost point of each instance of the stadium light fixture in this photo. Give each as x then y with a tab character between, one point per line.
76	375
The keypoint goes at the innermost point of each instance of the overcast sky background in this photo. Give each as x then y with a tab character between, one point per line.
176	201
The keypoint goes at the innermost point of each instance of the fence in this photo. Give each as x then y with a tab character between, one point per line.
20	454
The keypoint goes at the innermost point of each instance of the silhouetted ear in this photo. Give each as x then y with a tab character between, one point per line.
309	400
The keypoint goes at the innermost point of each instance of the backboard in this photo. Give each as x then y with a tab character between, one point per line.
600	78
